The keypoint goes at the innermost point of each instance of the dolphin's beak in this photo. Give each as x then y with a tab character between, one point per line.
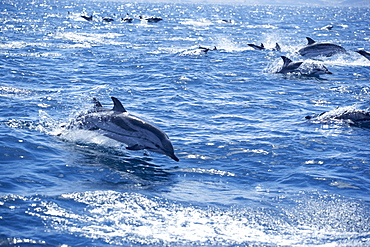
329	73
172	156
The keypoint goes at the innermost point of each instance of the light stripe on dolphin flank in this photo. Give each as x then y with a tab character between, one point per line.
121	123
147	126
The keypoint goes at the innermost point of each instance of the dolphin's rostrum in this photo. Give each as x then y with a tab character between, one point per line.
121	126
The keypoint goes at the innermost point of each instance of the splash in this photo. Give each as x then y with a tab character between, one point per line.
122	218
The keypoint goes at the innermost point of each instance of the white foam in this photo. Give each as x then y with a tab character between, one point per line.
122	218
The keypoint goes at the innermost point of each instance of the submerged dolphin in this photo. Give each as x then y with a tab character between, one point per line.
356	117
314	49
364	53
296	67
121	126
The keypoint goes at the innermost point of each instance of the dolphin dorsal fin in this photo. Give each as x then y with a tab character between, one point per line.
277	47
118	107
310	41
262	45
97	103
286	61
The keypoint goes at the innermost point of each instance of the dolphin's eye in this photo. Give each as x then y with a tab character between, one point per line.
156	145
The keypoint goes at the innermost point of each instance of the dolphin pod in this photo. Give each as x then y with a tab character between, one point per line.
125	19
123	127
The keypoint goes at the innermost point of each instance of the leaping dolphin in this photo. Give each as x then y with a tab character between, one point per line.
296	67
121	126
364	53
314	49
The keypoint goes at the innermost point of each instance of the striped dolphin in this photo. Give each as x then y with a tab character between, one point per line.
121	126
314	49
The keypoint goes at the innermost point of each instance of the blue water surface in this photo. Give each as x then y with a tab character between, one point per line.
252	172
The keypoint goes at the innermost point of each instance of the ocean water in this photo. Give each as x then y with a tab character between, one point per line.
252	171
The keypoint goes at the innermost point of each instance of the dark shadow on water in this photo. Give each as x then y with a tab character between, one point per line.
112	167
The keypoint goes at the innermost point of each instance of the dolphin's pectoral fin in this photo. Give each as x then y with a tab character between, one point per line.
135	147
117	105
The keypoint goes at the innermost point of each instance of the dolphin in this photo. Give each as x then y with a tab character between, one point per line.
262	47
328	27
127	19
364	53
355	117
107	19
151	19
205	49
296	67
121	126
88	18
277	47
314	49
257	47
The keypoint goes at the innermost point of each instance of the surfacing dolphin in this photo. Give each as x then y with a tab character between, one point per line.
257	47
121	126
364	53
88	18
205	49
314	49
310	69
349	115
262	47
151	19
